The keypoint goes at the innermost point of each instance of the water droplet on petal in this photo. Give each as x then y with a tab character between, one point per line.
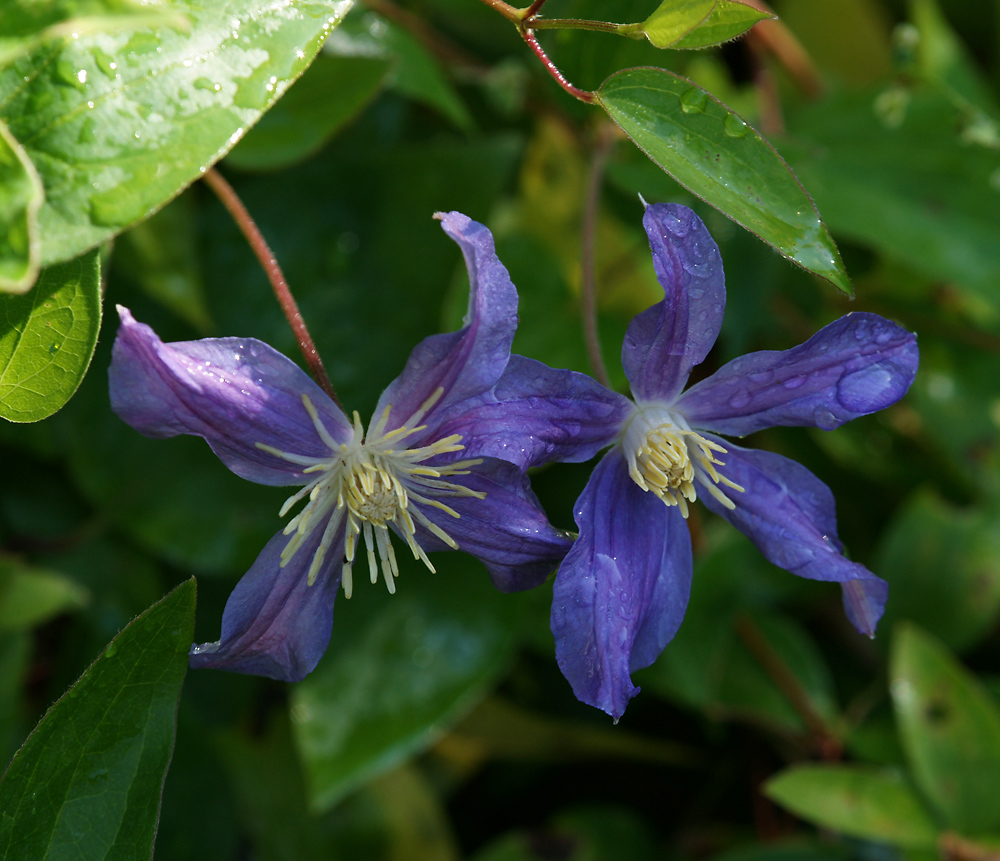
825	420
740	399
762	377
794	382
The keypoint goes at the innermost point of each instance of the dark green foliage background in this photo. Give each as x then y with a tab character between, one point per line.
438	726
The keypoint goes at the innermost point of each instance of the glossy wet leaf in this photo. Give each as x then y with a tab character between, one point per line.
727	21
950	728
399	671
118	123
857	801
328	96
47	339
27	24
21	197
31	596
672	20
87	782
713	153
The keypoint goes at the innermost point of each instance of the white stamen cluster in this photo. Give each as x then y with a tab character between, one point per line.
666	457
368	484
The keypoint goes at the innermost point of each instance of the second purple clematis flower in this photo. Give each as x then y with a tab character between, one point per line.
621	592
420	469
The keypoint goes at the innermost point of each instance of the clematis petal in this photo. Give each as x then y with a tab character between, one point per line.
790	515
506	529
468	362
665	342
536	415
233	392
621	592
856	365
275	624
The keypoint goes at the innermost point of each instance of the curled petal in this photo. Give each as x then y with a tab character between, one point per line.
854	366
620	594
468	362
790	515
233	392
665	342
275	624
506	529
536	415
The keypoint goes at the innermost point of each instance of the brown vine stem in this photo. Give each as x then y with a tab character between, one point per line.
591	210
829	745
224	191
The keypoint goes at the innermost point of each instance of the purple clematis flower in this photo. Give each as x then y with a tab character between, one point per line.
423	468
621	592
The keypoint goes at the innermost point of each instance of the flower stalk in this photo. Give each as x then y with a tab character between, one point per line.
230	199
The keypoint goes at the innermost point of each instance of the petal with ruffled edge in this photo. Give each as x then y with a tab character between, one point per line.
467	362
790	515
536	414
665	342
856	365
507	530
233	392
275	624
620	595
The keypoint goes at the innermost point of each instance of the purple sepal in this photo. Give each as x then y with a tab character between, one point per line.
275	624
665	342
790	515
468	362
856	365
536	414
233	392
507	530
620	594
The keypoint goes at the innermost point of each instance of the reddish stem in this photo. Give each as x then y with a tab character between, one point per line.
533	9
248	227
576	92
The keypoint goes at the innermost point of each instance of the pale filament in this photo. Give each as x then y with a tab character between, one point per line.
368	485
666	457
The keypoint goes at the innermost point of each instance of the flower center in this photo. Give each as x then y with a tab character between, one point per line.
368	484
666	457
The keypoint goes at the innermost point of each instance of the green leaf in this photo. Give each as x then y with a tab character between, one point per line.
48	339
417	75
87	782
27	24
728	20
21	197
927	538
673	20
904	185
712	152
950	728
161	256
859	802
399	671
328	96
30	596
118	123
